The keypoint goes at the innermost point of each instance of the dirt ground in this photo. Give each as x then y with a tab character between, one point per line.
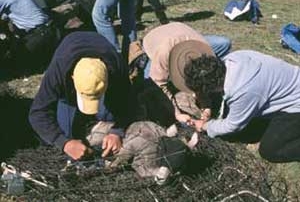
19	85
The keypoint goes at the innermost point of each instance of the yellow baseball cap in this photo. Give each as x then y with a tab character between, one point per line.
90	80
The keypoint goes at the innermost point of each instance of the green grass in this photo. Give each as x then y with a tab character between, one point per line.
207	17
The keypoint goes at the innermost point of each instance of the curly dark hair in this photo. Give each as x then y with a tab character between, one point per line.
205	75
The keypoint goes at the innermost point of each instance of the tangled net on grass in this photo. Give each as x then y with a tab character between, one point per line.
216	171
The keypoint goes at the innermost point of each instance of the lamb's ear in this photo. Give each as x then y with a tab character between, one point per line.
172	131
193	141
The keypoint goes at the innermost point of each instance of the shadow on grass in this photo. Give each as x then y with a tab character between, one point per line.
21	67
139	27
189	17
16	132
147	9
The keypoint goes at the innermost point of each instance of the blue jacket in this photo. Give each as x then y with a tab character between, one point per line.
57	85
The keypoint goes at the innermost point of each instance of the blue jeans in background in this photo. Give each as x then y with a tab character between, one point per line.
103	16
219	44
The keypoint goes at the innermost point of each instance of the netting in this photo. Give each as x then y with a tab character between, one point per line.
216	171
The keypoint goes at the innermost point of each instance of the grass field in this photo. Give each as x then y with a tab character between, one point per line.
207	17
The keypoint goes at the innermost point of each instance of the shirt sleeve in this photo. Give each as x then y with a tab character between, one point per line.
4	5
242	109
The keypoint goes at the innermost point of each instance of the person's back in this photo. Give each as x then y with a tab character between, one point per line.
158	44
275	81
24	14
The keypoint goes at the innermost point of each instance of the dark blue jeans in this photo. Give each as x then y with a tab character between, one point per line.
279	136
102	16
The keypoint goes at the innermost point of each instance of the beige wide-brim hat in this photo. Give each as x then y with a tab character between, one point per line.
180	55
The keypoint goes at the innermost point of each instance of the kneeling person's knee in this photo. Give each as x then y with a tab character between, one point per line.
270	153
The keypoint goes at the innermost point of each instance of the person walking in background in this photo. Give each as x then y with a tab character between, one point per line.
103	16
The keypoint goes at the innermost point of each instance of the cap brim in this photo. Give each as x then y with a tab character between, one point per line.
88	105
180	55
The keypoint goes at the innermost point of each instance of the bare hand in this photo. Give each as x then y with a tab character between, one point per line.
183	118
206	114
76	149
111	143
197	124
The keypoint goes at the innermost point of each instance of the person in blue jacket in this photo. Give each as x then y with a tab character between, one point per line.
261	100
86	82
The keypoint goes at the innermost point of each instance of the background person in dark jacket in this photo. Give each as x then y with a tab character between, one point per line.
85	72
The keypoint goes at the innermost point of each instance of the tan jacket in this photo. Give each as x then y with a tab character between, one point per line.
158	44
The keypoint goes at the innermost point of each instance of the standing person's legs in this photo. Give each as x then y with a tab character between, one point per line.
220	45
281	141
128	25
102	16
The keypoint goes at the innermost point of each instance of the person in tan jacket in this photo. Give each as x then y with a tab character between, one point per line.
158	45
